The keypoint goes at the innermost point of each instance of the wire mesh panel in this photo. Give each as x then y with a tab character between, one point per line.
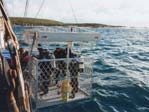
61	80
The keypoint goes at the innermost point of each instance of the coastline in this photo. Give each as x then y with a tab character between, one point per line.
45	22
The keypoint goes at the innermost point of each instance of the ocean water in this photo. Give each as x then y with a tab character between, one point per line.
121	73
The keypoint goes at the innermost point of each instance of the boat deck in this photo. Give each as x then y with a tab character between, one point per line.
53	98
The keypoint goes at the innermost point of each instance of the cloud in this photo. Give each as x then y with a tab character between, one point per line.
116	12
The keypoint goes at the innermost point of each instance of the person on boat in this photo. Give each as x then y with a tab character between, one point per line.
71	29
24	58
53	71
7	87
41	52
49	55
71	54
45	68
73	68
74	71
60	53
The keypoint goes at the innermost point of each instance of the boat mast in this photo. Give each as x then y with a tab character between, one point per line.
11	37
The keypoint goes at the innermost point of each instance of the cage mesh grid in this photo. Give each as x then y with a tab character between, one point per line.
59	84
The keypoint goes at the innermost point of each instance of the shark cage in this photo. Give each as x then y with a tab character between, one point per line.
60	67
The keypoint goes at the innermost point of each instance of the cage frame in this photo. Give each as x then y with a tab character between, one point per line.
67	37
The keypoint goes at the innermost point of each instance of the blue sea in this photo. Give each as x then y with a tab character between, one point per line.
121	73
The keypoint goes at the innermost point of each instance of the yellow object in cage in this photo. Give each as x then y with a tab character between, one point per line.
65	90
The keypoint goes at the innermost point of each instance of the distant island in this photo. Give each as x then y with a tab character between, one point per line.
46	22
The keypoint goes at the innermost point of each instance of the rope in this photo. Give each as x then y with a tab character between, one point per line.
42	3
73	12
13	8
5	5
26	8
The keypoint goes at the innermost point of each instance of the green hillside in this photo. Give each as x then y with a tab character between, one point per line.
46	22
33	21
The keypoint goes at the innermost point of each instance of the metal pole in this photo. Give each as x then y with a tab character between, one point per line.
67	73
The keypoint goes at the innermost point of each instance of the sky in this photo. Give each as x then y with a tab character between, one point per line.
113	12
